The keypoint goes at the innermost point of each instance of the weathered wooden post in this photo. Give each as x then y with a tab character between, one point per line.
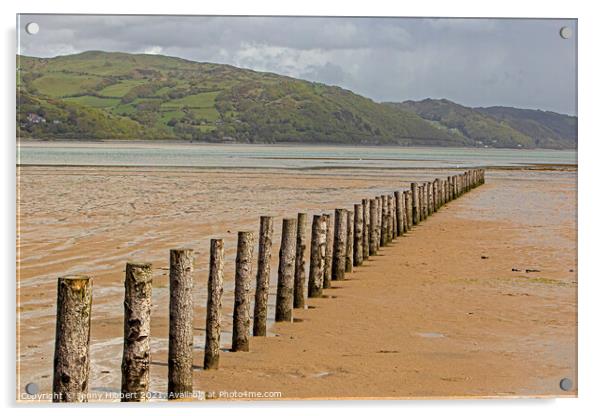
424	202
447	187
179	361
299	288
349	243
378	219
435	194
402	209
328	252
392	217
317	256
135	364
399	230
262	284
414	188
339	246
243	277
408	206
358	235
215	290
404	219
421	201
365	229
373	243
286	272
384	232
429	198
455	187
72	339
383	220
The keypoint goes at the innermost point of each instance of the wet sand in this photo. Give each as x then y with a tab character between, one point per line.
438	313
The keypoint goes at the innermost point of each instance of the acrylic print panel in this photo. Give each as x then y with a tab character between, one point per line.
276	208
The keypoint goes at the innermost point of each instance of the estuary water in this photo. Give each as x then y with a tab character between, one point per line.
279	156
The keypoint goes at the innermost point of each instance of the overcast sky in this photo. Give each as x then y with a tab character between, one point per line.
475	62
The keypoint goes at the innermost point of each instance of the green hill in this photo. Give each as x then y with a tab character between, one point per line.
99	95
548	129
498	126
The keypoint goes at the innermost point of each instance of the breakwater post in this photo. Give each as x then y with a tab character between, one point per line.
262	283
241	320
135	364
179	361
286	271
215	290
72	339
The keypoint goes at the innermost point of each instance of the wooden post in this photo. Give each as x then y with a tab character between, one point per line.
179	361
286	271
399	213
434	196
377	219
358	235
414	188
328	252
402	207
424	202
428	193
408	206
419	203
72	339
389	218
365	229
135	364
317	256
392	227
349	242
299	288
373	243
339	249
448	189
243	278
446	196
262	284
215	290
383	220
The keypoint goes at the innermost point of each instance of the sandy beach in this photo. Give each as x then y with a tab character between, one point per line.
448	310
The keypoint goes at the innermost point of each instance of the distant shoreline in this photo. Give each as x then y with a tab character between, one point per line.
27	142
531	166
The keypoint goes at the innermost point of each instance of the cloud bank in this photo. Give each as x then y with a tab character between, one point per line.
476	62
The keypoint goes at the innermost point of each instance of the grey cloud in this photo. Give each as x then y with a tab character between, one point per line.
515	62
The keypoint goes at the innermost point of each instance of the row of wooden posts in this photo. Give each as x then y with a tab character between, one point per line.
357	234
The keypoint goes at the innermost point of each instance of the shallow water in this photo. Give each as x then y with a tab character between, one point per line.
278	156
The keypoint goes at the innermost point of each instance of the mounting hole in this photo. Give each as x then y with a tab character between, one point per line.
32	389
566	32
566	384
32	28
